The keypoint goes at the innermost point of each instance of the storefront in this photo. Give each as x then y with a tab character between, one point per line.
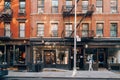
53	53
14	53
59	53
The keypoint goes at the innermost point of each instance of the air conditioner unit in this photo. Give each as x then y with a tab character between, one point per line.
40	11
22	11
99	36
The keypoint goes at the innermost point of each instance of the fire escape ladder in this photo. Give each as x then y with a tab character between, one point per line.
6	13
87	14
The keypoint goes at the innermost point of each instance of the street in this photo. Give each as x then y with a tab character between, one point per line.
64	75
35	78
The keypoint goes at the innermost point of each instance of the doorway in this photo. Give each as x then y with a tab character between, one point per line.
101	60
49	58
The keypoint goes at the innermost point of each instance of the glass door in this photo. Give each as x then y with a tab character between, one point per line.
49	58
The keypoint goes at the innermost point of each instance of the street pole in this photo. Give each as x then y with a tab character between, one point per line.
74	69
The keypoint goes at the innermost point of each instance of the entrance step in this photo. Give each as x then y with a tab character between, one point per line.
54	70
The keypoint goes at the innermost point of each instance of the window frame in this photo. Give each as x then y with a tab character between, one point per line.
99	31
21	30
85	4
99	8
22	10
54	7
40	29
40	7
7	30
54	31
68	31
114	8
113	30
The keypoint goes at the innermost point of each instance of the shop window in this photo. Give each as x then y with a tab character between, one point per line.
68	30
2	55
113	55
7	30
99	6
20	55
54	30
62	57
40	29
113	5
22	29
85	30
37	54
22	4
99	30
113	30
40	6
84	6
54	6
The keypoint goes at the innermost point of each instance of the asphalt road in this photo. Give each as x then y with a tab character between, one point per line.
38	78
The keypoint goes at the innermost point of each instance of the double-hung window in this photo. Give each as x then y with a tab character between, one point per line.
40	29
68	29
99	30
54	6
85	30
54	29
40	6
84	6
113	5
99	6
22	29
7	30
22	6
113	30
68	5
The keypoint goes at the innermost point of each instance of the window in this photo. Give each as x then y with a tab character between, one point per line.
54	6
7	30
68	5
19	54
99	30
99	6
40	6
85	30
22	7
84	6
22	30
68	30
40	29
113	30
7	4
54	29
113	4
62	56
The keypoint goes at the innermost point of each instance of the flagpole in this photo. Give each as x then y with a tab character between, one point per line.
75	52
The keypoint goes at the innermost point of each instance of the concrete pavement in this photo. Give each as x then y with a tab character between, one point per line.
65	74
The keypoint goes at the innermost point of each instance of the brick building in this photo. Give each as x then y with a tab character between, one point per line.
14	32
52	29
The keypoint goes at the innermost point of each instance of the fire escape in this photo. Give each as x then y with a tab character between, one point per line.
5	16
69	11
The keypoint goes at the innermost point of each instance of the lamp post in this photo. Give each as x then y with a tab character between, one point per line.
74	68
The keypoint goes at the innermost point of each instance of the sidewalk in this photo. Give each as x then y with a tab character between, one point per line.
65	74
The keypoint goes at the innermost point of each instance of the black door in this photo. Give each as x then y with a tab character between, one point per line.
49	58
101	60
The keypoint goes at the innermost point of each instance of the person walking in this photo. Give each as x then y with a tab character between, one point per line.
90	63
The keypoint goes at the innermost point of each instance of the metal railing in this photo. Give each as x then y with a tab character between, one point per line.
81	9
83	33
6	14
